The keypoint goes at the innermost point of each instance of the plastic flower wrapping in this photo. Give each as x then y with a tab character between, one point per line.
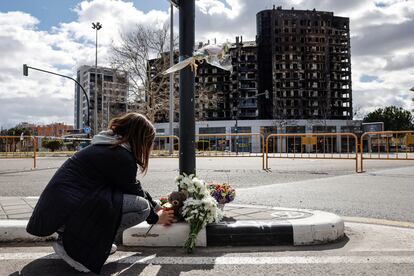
223	193
163	200
199	209
216	55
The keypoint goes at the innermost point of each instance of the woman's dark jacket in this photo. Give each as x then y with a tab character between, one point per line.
86	195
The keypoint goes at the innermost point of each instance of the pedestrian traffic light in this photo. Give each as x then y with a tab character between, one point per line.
25	70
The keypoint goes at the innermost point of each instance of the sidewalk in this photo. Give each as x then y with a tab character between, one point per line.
17	207
242	225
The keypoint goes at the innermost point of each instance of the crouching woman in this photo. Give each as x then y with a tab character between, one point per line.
94	195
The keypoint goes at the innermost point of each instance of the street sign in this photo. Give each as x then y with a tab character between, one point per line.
87	130
373	127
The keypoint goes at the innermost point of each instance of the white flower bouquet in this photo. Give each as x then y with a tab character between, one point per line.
199	209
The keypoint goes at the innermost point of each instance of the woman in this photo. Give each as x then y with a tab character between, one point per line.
94	195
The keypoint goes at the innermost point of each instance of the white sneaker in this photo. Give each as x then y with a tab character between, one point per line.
60	251
114	248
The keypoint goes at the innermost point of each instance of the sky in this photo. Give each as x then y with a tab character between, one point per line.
57	36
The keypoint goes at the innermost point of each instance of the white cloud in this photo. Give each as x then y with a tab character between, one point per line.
382	39
61	50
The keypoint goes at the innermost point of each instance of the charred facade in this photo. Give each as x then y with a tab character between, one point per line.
244	93
304	60
219	94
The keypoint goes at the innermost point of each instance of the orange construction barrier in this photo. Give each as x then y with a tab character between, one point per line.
230	145
18	147
312	146
387	145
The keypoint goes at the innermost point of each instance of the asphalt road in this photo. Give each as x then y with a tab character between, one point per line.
385	191
385	251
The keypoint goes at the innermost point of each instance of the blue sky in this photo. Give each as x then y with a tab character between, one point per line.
52	12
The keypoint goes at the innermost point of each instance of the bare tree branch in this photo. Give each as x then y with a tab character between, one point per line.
144	54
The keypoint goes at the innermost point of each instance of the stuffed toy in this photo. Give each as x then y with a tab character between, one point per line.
176	202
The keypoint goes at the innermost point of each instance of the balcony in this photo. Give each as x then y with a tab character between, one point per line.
248	105
251	114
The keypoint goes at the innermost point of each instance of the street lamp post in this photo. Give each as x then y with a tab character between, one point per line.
171	78
26	73
187	162
96	26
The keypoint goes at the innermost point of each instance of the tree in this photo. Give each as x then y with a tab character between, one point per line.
144	54
206	99
52	144
17	131
394	118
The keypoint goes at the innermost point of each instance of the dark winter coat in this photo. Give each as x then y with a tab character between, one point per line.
86	195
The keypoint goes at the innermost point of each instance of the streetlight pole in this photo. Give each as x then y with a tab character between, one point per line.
26	73
187	161
171	78
96	26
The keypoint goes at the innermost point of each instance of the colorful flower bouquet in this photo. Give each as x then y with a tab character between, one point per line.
223	193
199	209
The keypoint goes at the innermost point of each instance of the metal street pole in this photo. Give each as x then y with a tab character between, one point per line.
187	162
171	78
96	26
26	73
237	129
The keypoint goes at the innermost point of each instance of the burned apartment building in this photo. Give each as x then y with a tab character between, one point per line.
299	67
304	60
244	95
224	95
219	94
212	86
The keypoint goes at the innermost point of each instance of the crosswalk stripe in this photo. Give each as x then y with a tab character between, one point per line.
131	258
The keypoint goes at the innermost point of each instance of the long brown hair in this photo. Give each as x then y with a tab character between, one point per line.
137	130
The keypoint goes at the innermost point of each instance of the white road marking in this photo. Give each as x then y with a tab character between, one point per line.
131	258
405	224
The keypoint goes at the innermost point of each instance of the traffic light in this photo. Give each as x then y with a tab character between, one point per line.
267	94
25	70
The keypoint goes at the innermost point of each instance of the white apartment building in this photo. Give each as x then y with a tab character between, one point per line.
112	92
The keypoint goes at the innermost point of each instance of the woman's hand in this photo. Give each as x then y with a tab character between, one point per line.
165	217
157	208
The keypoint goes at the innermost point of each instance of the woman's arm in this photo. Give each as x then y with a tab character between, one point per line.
124	177
124	174
154	204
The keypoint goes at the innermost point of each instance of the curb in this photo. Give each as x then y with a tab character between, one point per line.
287	226
14	230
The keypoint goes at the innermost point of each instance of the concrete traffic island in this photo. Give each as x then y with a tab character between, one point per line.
247	225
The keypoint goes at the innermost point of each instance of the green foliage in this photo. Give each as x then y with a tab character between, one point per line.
16	131
72	145
52	144
394	118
